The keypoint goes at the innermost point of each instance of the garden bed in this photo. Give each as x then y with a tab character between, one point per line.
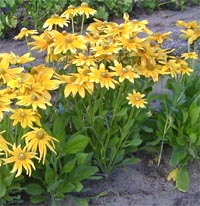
143	184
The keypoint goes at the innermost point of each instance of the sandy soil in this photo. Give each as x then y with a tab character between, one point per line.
141	184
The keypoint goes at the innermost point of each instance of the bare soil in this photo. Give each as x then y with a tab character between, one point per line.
143	184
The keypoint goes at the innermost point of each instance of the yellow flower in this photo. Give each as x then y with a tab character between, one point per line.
39	140
25	33
103	76
3	145
150	71
172	67
34	100
83	60
64	42
84	9
21	159
188	25
15	59
55	20
190	55
130	43
25	117
191	34
4	107
124	72
7	73
44	75
136	99
69	13
158	37
105	48
21	83
73	86
42	41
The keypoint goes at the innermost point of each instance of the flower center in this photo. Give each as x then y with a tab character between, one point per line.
2	71
21	156
40	134
137	98
124	70
34	97
68	40
73	78
104	74
22	114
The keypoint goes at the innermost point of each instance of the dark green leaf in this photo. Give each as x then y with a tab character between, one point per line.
177	156
35	189
76	144
183	180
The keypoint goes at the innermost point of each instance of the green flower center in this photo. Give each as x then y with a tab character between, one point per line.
34	97
22	114
21	156
104	74
124	70
2	71
40	134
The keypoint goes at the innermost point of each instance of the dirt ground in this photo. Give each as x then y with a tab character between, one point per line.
141	184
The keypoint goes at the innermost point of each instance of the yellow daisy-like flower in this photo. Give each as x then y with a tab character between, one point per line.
105	48
22	158
69	13
83	60
190	55
3	145
191	34
64	42
151	71
136	99
84	9
26	117
15	59
44	75
35	101
158	37
42	42
188	25
7	73
74	85
103	76
4	107
39	140
124	72
55	20
25	33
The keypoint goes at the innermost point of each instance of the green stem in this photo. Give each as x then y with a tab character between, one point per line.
73	31
168	123
82	23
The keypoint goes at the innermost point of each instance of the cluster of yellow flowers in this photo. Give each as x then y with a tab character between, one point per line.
107	55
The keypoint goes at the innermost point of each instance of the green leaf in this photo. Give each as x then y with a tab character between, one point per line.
183	180
132	160
49	176
38	199
177	156
135	142
76	144
2	4
68	167
59	128
83	172
2	189
10	3
76	123
35	189
194	115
